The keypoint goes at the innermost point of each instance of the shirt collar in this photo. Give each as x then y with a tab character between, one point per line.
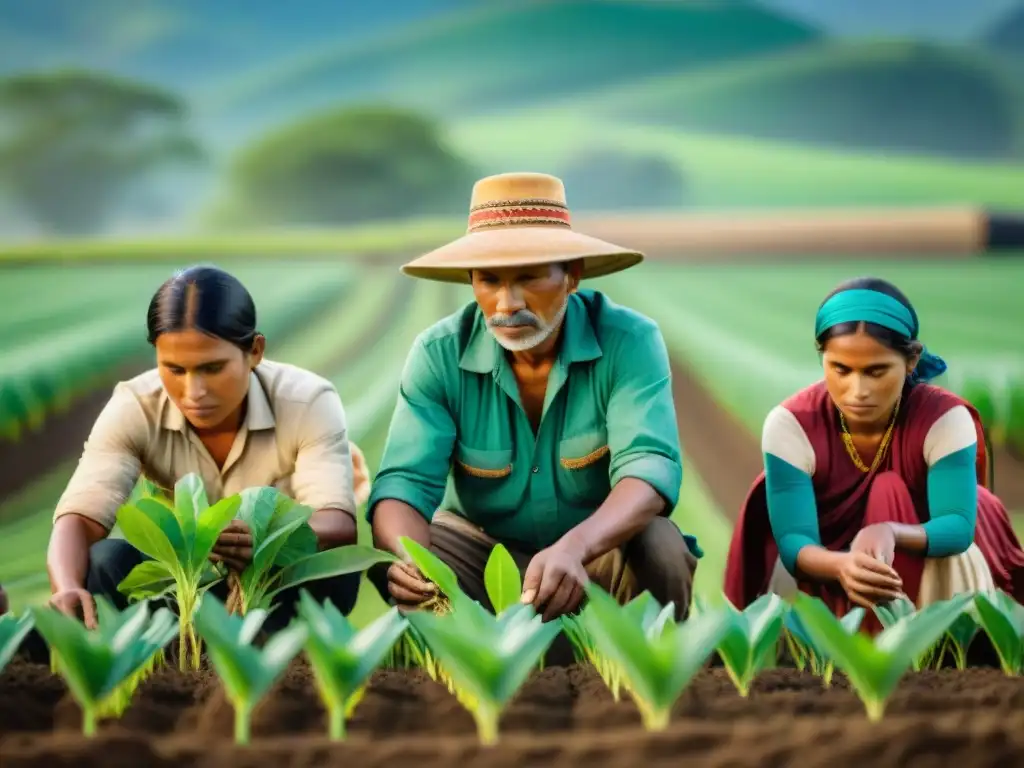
258	415
579	345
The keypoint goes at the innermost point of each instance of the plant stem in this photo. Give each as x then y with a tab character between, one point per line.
88	722
336	722
875	709
242	713
486	724
654	719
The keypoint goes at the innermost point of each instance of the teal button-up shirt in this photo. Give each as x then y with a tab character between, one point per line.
461	441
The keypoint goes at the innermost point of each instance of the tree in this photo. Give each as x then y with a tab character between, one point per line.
72	144
348	165
612	179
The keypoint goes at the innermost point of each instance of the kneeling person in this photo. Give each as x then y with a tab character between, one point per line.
539	416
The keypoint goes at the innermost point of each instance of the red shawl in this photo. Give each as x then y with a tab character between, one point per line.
841	491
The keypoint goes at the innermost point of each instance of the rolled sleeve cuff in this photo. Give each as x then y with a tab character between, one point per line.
402	490
663	474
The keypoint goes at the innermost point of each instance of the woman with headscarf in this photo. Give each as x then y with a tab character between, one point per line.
874	486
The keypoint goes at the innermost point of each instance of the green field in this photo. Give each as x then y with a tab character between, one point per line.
745	329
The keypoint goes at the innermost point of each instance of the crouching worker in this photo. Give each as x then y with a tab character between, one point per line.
874	481
212	406
539	416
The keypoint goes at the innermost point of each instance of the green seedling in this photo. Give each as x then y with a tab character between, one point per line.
342	658
487	657
95	663
502	581
874	668
807	653
1002	619
179	538
657	660
891	612
961	634
13	630
285	551
750	646
247	672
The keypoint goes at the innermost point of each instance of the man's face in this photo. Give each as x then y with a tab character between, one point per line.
524	306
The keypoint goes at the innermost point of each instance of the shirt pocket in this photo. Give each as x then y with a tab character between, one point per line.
583	462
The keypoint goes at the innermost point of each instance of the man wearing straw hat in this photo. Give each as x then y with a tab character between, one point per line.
539	416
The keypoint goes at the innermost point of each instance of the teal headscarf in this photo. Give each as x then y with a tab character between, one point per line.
865	305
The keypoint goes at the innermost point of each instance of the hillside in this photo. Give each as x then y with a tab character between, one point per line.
505	56
1006	35
893	96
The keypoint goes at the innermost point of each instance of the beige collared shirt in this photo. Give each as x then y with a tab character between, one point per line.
294	437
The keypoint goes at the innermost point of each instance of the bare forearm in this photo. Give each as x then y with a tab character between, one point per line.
333	528
67	557
629	509
818	563
393	519
910	538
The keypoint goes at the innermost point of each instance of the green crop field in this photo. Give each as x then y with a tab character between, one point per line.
745	329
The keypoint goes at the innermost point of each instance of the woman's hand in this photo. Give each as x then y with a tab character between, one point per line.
878	541
868	581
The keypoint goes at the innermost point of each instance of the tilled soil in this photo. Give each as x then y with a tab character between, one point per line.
563	716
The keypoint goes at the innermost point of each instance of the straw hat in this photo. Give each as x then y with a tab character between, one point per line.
519	220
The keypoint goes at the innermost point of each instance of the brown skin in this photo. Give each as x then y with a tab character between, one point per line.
864	378
207	378
554	579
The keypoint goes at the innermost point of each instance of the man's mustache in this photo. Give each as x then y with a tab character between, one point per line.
522	317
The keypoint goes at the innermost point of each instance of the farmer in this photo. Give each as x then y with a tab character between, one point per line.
539	416
873	486
216	407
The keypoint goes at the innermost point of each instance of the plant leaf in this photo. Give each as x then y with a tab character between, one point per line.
13	630
147	579
210	524
353	558
502	580
433	567
189	501
146	535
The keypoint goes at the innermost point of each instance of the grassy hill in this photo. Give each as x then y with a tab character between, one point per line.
504	56
897	96
724	172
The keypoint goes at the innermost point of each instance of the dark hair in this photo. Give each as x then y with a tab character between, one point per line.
206	299
892	339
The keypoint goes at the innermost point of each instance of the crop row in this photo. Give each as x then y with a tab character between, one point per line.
747	334
482	656
44	374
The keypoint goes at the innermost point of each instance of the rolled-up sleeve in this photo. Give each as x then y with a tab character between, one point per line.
417	457
110	463
642	434
323	477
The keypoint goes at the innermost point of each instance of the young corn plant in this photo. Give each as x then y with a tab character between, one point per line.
342	658
806	653
751	644
95	663
659	658
285	551
487	657
893	611
961	634
502	581
246	672
1002	619
13	630
875	667
179	539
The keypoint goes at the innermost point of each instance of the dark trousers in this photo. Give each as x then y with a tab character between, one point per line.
111	560
656	560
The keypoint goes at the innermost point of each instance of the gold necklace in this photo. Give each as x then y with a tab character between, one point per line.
851	449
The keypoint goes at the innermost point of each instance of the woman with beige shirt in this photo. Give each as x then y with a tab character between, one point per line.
213	405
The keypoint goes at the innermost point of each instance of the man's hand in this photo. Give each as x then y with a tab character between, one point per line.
408	586
233	547
69	601
878	541
554	581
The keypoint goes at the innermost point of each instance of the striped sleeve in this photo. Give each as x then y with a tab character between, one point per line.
950	451
789	465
